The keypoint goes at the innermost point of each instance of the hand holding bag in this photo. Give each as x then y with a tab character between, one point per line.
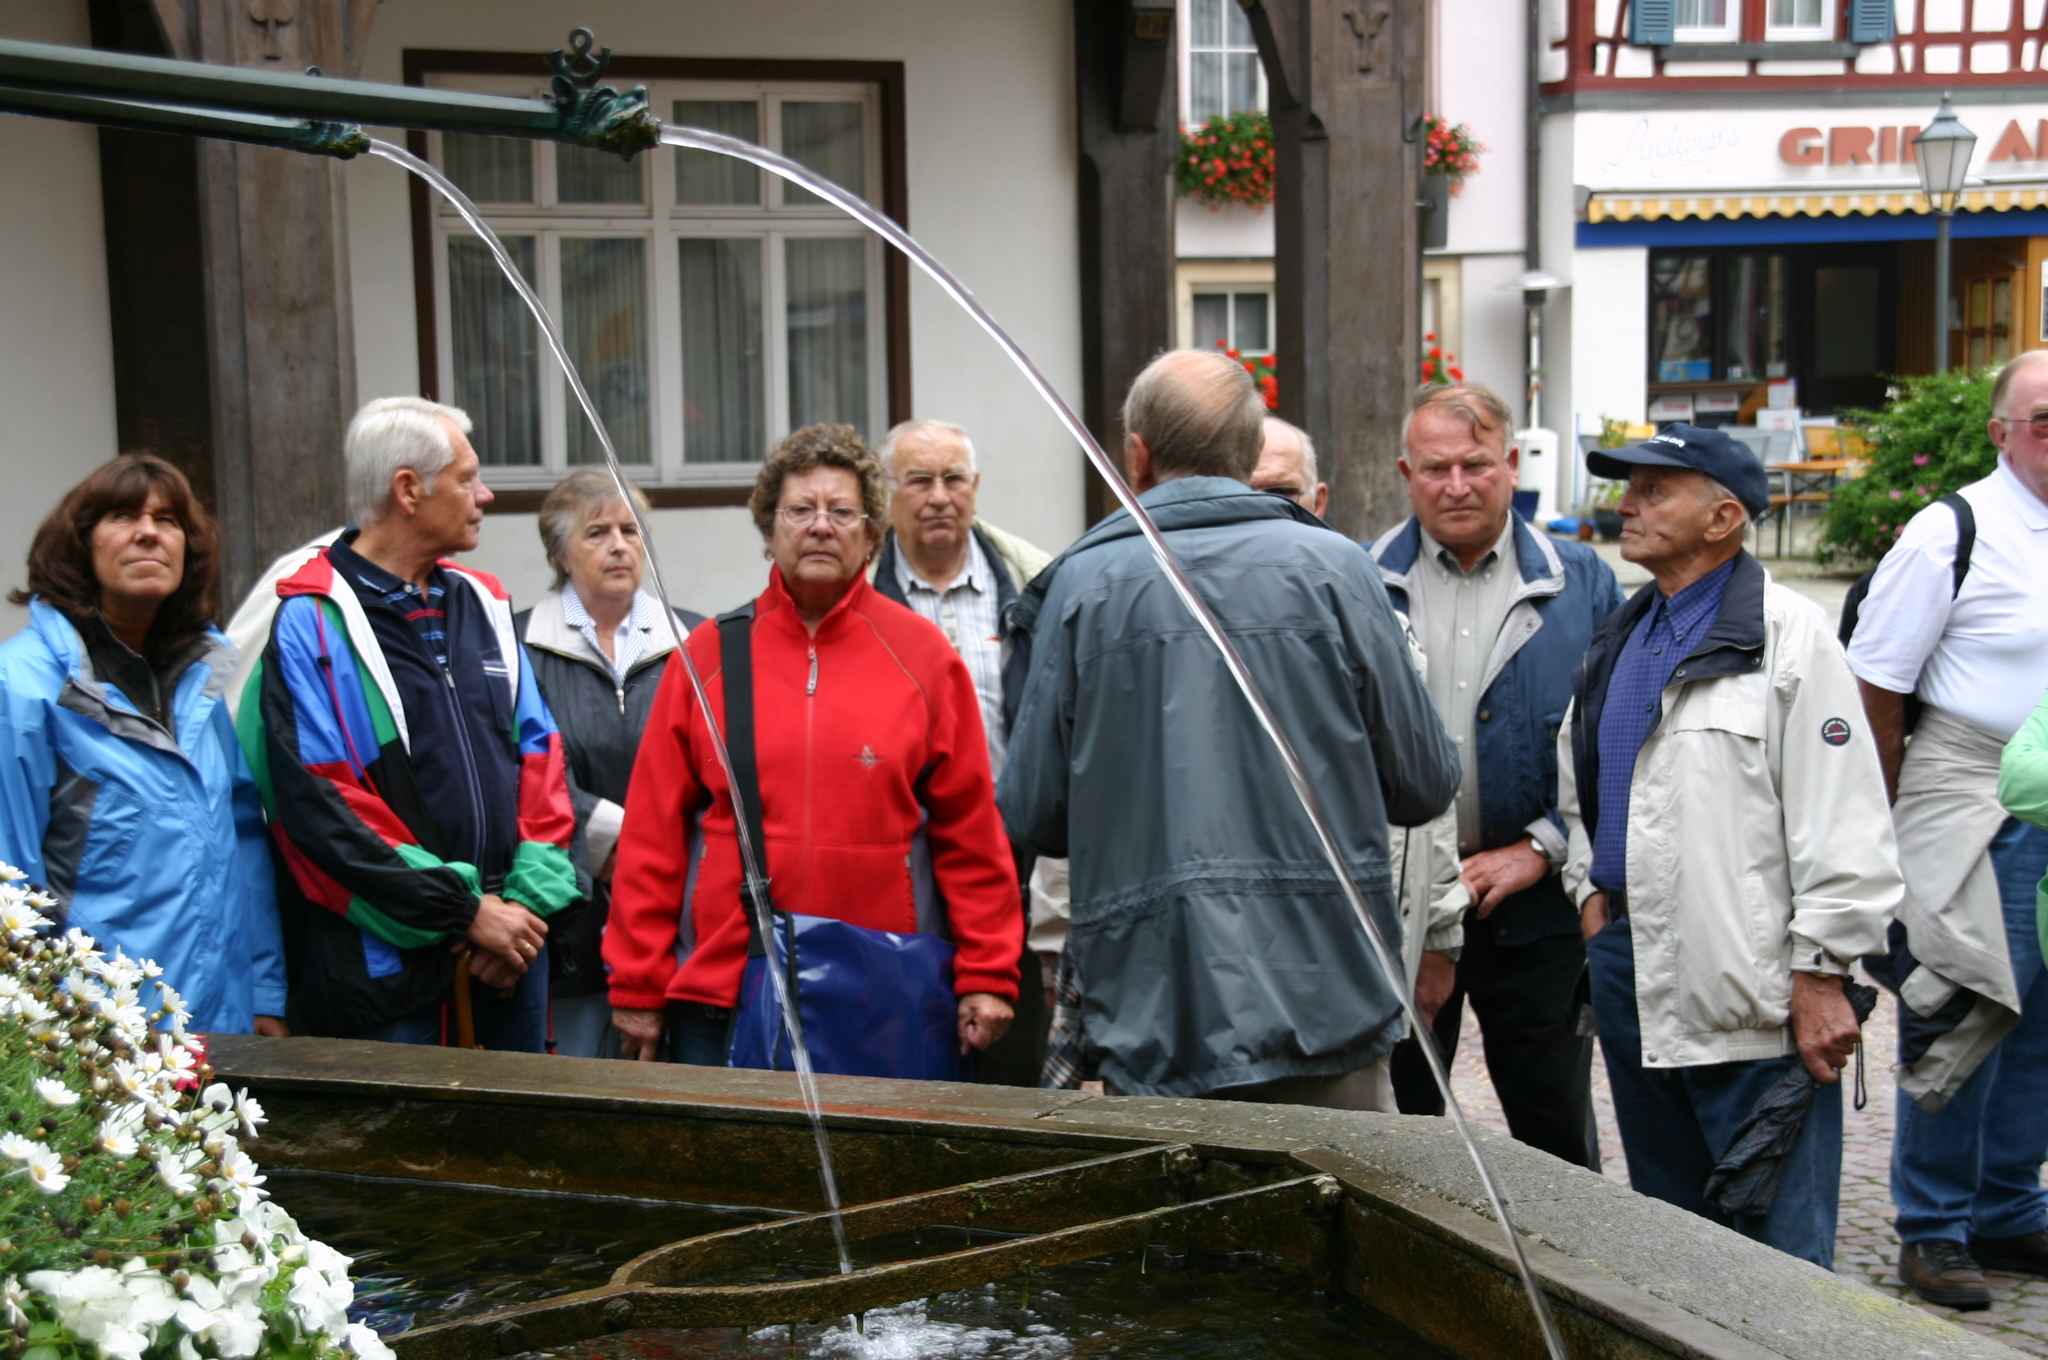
873	1003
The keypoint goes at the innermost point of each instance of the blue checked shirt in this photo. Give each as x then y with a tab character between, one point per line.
1635	697
427	613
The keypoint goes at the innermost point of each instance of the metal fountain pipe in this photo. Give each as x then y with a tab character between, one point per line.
341	140
162	93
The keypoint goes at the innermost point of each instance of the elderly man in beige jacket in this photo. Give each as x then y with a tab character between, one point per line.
1730	847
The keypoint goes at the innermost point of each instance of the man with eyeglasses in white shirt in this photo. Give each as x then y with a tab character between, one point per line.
959	572
1966	1180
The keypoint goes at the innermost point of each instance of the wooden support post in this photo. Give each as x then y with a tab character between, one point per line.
1127	85
274	252
1345	90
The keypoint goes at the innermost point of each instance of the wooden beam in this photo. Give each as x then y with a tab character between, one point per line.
1126	190
281	337
174	23
1347	80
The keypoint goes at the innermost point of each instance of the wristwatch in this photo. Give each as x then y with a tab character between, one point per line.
1536	844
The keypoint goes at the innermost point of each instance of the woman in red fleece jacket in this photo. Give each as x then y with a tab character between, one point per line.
867	735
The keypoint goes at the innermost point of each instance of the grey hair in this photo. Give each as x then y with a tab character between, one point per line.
391	433
1308	450
1478	406
569	505
1717	492
886	451
2001	387
1199	413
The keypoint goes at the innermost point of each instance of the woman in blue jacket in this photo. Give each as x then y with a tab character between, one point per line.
122	787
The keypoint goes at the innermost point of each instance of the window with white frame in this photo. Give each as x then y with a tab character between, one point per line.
1236	318
1802	20
710	307
1705	20
1223	75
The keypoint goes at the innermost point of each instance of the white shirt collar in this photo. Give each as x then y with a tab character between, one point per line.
2025	503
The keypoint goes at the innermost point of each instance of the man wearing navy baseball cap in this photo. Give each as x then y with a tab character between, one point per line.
1716	456
1720	787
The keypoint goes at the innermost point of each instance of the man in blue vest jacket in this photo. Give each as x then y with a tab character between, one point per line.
1503	615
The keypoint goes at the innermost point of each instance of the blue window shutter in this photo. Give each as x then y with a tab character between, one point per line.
1651	23
1870	21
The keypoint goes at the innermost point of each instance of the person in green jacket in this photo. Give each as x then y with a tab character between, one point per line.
2023	788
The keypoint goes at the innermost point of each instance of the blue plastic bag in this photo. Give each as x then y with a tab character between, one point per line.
874	1003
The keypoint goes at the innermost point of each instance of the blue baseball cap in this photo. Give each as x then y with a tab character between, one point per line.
1721	456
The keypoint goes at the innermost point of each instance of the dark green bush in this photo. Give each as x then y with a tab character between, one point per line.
1929	440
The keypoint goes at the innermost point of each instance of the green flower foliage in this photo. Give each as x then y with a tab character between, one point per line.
1927	442
1227	160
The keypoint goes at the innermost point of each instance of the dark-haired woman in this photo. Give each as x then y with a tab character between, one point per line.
122	786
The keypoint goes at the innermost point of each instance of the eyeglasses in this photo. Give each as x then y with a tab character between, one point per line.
842	517
2037	423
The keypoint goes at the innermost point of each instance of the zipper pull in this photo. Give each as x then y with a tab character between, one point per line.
621	690
811	685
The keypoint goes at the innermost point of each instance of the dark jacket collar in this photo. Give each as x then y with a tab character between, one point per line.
886	584
1738	624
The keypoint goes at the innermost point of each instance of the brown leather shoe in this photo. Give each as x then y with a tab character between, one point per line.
1944	1273
2026	1254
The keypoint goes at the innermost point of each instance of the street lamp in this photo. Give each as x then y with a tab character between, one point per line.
1942	154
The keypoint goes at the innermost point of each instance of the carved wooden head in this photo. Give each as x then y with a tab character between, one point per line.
273	35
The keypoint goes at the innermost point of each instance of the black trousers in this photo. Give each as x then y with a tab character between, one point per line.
1528	998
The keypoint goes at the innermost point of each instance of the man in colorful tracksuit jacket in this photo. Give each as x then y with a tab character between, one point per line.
413	775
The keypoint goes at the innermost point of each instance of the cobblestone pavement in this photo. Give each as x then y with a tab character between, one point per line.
1866	1248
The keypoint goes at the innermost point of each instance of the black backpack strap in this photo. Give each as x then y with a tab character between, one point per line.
736	665
1966	536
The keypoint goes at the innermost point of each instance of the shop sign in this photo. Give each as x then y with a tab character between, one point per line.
1726	149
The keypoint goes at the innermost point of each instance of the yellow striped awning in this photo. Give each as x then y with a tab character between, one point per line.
1675	207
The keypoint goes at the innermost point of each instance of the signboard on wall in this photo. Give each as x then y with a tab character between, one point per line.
1826	147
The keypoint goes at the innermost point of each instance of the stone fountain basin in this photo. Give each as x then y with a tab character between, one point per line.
1412	1237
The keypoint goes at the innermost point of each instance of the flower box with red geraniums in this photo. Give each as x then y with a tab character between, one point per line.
1450	150
1227	160
1439	368
1265	371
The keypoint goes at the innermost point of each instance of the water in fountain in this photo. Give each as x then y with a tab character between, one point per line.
877	222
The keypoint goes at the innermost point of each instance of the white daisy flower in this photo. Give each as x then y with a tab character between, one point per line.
56	1092
170	1169
10	874
177	1058
117	1137
250	1112
13	1298
16	1148
46	1172
130	1078
238	1169
20	920
173	1005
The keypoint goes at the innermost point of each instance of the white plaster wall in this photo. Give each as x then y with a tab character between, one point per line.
1228	233
1490	296
1558	220
989	102
1482	74
1609	336
57	381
